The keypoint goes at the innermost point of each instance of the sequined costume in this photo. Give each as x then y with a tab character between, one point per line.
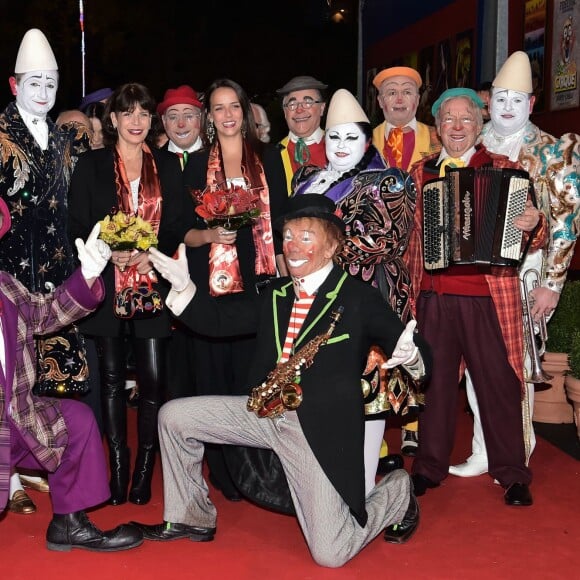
34	183
377	205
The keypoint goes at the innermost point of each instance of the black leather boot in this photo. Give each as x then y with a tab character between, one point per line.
115	418
147	435
77	531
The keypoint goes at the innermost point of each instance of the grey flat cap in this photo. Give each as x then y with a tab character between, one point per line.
300	84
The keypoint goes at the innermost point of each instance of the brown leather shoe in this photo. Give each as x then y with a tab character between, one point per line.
21	503
35	483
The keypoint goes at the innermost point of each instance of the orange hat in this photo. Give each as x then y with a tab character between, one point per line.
183	95
396	71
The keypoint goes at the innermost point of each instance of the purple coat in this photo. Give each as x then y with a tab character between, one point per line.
23	314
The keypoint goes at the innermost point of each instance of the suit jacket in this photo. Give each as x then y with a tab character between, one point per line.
332	411
426	141
93	195
37	419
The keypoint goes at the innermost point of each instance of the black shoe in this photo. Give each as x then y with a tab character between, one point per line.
228	491
77	531
390	463
167	531
400	533
409	443
518	494
421	484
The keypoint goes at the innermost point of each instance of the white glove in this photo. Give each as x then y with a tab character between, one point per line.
405	350
176	272
93	254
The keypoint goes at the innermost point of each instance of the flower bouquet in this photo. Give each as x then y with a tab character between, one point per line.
127	232
230	208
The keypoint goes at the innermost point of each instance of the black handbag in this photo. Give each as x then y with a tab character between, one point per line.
137	300
61	364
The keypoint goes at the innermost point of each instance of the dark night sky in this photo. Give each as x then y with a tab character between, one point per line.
159	44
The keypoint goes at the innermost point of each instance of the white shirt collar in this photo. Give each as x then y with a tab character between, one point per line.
316	137
412	124
312	282
509	145
36	125
466	156
171	146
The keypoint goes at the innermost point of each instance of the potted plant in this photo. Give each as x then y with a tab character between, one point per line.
564	337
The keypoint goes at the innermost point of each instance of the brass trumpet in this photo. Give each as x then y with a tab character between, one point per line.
529	281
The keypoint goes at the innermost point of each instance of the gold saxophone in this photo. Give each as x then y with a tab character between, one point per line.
280	391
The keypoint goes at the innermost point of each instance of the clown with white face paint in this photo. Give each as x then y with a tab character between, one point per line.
552	164
36	163
377	205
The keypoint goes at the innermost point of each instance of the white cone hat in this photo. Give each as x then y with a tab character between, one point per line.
344	108
515	74
34	53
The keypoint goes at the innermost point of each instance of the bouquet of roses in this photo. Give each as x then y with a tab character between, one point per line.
127	232
230	208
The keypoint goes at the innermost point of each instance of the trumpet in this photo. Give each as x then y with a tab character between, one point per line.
529	281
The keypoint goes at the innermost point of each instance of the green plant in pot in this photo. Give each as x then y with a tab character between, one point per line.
564	326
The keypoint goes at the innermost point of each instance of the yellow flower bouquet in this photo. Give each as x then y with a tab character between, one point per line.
127	232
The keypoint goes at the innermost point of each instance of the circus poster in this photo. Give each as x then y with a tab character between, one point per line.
565	55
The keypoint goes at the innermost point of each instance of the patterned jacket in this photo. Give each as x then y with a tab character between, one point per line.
553	165
34	184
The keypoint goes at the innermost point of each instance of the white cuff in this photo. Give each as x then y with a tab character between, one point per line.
177	301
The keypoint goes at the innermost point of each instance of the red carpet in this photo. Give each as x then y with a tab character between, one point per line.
466	532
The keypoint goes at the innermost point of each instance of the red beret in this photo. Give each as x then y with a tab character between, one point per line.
183	95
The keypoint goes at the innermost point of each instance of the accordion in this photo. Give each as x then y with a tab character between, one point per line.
468	217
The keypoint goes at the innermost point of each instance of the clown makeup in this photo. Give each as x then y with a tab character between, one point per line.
36	92
345	146
509	110
307	246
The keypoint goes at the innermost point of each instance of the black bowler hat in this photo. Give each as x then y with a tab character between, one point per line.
310	205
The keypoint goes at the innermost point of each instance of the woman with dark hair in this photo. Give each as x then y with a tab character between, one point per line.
377	205
232	264
96	112
132	176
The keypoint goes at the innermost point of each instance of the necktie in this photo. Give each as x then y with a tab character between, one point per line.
395	143
300	309
301	152
451	162
182	158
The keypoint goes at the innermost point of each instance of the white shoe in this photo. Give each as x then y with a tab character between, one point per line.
473	466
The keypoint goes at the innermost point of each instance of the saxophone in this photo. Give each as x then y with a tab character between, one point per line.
280	391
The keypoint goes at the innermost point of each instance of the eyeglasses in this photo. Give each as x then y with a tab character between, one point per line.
306	104
187	117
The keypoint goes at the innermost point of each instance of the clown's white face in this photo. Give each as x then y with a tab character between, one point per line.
36	92
509	110
345	146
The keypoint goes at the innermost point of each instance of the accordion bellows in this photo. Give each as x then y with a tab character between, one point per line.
468	217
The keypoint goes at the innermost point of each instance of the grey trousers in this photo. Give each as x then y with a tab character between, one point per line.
332	533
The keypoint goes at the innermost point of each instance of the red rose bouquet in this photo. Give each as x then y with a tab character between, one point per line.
229	208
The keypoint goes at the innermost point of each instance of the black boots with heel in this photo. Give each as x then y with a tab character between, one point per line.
140	493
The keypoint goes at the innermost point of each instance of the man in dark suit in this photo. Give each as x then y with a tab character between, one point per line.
326	479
